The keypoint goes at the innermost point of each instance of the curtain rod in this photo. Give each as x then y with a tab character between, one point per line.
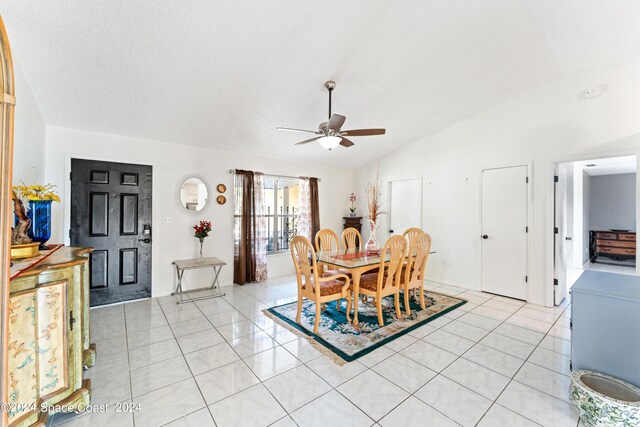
232	172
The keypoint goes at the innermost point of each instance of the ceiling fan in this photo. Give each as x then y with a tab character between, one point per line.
329	133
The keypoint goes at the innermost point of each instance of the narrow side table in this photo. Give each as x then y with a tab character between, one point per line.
193	264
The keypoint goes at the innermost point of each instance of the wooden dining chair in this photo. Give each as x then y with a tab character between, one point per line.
387	280
351	239
326	240
413	272
411	233
318	289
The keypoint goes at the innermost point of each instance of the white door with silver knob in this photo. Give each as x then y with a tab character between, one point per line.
504	231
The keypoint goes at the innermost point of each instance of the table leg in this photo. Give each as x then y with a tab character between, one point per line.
355	276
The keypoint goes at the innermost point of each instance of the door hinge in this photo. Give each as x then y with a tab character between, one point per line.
556	178
70	174
555	282
526	279
72	320
69	233
526	229
527	180
555	230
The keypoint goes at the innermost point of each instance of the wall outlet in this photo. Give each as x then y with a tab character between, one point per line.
166	220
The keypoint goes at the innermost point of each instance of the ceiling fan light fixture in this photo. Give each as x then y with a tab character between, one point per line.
330	142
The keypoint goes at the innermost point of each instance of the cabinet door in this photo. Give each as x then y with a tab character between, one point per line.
22	364
53	347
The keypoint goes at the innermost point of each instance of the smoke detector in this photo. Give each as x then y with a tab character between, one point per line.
592	92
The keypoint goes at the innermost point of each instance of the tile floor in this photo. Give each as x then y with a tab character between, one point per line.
220	362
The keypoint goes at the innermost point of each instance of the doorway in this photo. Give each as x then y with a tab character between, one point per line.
594	219
504	213
405	205
111	212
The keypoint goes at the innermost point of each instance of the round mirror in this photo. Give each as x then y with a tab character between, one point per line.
193	195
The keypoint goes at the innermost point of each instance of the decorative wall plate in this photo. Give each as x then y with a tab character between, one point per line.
221	188
221	200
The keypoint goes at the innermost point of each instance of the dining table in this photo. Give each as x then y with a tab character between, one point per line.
355	261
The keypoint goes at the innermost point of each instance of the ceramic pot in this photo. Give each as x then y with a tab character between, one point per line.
605	401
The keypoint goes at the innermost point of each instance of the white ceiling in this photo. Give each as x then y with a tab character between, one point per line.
224	74
609	166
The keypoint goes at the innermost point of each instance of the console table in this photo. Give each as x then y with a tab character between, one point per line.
617	245
193	264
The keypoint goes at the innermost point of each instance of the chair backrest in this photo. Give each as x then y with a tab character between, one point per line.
411	233
396	246
349	238
417	258
327	240
304	262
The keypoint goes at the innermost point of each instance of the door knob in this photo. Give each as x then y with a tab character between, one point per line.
144	240
484	236
390	231
567	238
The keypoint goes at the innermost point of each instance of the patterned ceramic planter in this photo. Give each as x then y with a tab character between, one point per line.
604	401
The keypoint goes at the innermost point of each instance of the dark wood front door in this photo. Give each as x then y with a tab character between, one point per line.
111	212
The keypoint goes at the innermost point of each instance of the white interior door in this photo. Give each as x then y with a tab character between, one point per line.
504	231
405	205
561	233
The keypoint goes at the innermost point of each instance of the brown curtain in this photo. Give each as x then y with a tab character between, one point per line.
315	206
249	260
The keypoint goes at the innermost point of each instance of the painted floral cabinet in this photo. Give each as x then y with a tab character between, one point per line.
49	337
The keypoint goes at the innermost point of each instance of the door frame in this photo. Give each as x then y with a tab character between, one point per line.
549	214
529	166
389	194
154	202
7	105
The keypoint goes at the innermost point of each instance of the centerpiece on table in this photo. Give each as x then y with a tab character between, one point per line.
202	231
36	220
352	209
374	205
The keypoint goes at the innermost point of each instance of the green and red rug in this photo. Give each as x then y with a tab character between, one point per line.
350	342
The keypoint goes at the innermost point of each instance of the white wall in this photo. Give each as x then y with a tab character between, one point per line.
613	202
171	163
29	134
549	123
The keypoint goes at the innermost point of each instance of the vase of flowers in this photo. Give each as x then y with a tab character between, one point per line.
374	205
202	231
39	199
352	209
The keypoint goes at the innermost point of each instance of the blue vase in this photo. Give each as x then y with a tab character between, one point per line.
40	216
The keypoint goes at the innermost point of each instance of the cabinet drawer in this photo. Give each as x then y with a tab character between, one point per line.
617	251
615	243
628	237
612	236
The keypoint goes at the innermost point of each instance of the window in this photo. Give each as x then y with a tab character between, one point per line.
281	200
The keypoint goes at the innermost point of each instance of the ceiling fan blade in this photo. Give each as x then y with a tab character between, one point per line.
298	130
336	121
346	143
362	132
306	141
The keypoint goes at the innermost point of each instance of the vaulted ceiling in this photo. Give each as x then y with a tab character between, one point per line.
225	74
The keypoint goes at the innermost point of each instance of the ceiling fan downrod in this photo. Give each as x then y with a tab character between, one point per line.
330	85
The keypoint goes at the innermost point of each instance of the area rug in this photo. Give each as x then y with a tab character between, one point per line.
350	342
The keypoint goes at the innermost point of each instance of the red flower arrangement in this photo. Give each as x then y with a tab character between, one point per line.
202	230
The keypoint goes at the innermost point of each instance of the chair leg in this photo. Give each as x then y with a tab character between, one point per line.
317	322
379	308
422	297
406	302
338	304
396	302
348	307
299	309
